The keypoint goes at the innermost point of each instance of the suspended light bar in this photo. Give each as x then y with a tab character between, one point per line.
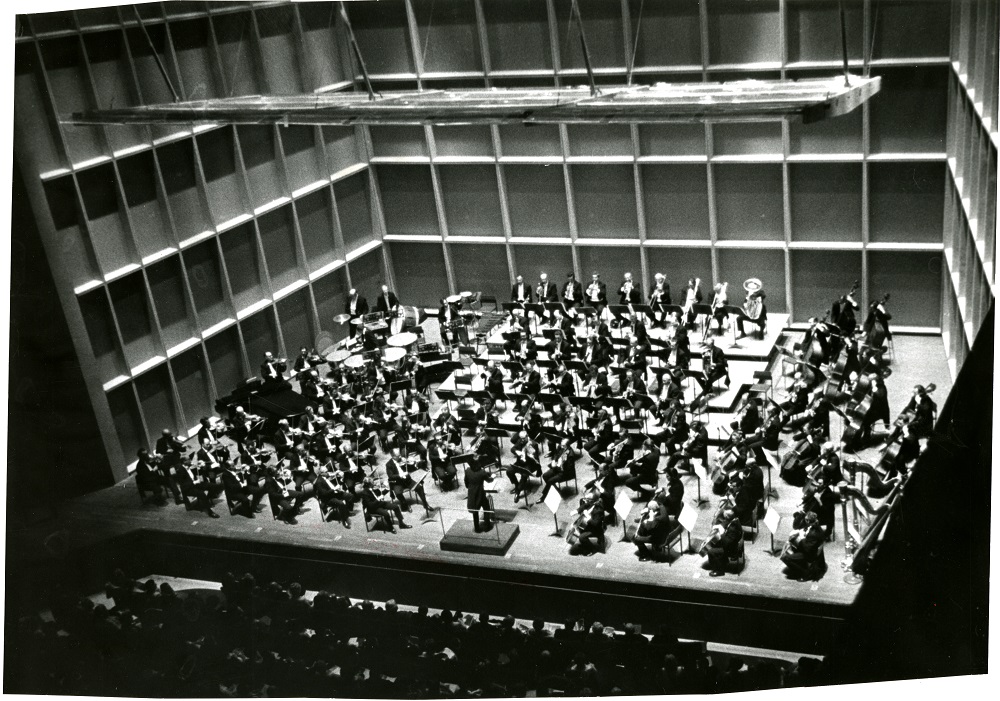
742	101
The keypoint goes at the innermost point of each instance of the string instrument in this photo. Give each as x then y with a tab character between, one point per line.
586	521
691	297
878	485
718	530
877	332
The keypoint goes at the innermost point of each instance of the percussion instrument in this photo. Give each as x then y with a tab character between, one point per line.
405	318
402	340
355	362
341	318
465	295
338	356
358	321
453	299
393	355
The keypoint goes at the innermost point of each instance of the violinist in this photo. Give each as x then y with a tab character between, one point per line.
638	355
526	462
586	535
195	487
272	369
487	448
659	298
724	542
562	466
804	547
309	423
281	488
312	389
241	490
396	469
620	452
439	456
562	382
325	443
284	439
603	434
377	506
633	386
642	468
476	481
207	433
210	460
148	477
331	495
675	431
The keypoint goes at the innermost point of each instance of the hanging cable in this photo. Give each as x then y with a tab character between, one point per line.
635	45
843	41
427	41
586	51
871	44
156	55
357	52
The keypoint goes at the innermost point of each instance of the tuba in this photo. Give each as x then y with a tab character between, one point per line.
755	298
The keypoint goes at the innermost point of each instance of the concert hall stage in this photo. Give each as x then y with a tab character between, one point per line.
759	607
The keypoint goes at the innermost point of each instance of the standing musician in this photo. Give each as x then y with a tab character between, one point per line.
447	315
692	296
877	324
842	313
754	306
387	303
719	301
572	292
356	307
714	364
520	292
659	298
724	542
476	481
597	294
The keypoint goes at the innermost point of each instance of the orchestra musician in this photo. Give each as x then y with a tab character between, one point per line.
244	492
876	326
654	526
330	493
387	304
597	294
439	457
919	415
572	292
628	293
586	535
659	298
546	293
714	364
400	480
562	466
802	553
476	481
356	307
377	506
724	542
306	361
272	369
148	477
842	313
207	433
195	487
642	469
692	296
526	463
448	315
719	301
753	306
520	292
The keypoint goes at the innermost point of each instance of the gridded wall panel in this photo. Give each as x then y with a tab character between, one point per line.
181	182
679	265
368	274
535	141
907	201
408	199
652	22
282	74
166	284
224	179
744	32
531	261
295	322
819	277
226	360
448	31
242	259
319	38
192	385
676	201
128	420
145	204
612	262
260	158
471	200
330	293
354	210
537	199
911	111
208	287
737	265
604	196
672	140
518	35
135	321
260	334
102	335
419	272
809	30
381	31
913	278
826	201
481	268
281	247
748	201
315	215
463	141
156	390
112	241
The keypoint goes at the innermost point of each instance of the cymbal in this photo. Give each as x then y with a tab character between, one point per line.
341	318
464	295
358	321
453	299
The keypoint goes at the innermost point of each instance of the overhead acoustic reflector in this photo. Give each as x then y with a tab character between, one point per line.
735	101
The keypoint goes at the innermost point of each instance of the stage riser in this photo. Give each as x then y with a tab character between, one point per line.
801	627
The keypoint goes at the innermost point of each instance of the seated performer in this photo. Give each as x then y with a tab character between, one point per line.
332	495
659	298
714	364
246	493
563	465
380	507
400	480
803	552
272	369
195	487
655	525
919	414
724	542
586	535
643	469
439	456
754	307
526	463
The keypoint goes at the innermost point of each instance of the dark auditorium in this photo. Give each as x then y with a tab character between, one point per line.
427	349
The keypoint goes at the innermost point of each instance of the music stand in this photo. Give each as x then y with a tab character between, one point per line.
554	307
702	310
537	309
550	334
619	311
732	310
548	398
643	309
498	433
587	313
400	385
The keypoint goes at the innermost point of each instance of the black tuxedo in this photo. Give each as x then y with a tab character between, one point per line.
602	296
572	294
246	495
547	292
525	290
360	309
272	371
634	296
475	482
380	305
332	497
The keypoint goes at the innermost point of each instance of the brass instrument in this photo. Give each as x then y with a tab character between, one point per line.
753	305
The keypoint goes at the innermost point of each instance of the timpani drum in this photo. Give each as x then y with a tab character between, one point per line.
392	355
355	362
404	341
406	318
338	356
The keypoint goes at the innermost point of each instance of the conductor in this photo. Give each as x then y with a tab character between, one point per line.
476	479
